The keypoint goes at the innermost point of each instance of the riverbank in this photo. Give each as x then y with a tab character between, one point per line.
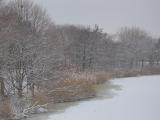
103	91
74	87
138	99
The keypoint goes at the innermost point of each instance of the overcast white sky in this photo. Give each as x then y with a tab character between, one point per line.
108	14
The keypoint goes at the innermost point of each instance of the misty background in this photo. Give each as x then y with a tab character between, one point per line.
108	14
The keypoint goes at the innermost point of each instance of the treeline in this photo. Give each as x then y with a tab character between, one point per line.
34	50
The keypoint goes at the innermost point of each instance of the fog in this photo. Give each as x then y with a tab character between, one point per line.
109	14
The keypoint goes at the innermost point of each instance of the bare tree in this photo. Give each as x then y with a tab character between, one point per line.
22	50
136	45
28	11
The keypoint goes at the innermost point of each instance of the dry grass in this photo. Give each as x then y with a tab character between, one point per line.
84	79
74	86
102	77
5	110
40	97
77	86
72	90
135	72
132	73
127	73
152	70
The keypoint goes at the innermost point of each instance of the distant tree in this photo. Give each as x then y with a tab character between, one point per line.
136	45
156	52
108	53
82	47
28	11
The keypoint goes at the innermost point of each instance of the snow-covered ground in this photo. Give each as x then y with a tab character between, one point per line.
139	99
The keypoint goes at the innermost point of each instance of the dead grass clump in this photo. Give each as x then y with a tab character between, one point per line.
127	73
102	77
120	73
75	79
154	70
132	73
72	90
75	87
40	98
5	110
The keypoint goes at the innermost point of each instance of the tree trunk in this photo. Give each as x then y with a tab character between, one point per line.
20	93
84	63
2	88
32	88
142	63
131	64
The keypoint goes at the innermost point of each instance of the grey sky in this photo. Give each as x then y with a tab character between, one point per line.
108	14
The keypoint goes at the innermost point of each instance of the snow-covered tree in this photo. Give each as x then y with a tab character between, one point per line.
135	45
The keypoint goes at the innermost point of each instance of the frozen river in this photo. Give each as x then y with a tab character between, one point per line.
138	99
